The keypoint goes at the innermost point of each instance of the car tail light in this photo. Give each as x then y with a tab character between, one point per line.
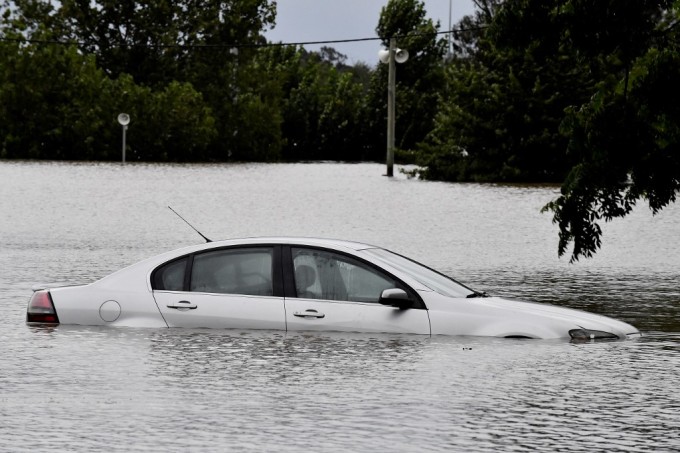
41	309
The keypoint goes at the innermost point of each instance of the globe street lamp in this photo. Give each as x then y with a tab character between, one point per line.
124	120
391	56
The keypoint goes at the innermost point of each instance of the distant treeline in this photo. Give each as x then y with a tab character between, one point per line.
200	84
515	98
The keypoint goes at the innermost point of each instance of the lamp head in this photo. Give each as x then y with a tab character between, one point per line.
124	119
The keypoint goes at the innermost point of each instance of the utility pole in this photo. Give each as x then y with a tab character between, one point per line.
391	56
450	51
391	88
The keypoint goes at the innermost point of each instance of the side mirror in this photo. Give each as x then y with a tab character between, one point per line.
396	297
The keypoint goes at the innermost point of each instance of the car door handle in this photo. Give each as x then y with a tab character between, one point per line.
182	304
309	314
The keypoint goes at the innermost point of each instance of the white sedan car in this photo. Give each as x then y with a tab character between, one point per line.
296	284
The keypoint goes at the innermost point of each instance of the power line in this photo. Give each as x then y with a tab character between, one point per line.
253	45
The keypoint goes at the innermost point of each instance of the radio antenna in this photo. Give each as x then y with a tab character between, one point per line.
192	227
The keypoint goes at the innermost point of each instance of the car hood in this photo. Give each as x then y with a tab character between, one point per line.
496	316
581	318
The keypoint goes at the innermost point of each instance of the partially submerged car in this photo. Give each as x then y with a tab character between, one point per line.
303	284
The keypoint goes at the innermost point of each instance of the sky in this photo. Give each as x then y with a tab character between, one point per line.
326	20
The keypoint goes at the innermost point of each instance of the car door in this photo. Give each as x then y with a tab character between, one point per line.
336	292
235	287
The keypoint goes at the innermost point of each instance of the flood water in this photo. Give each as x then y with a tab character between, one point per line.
118	389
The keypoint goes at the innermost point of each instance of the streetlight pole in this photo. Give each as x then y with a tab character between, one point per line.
124	131
124	120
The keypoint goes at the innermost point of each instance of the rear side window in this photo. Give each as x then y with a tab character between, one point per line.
170	276
234	271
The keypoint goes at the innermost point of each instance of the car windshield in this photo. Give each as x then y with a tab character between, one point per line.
424	275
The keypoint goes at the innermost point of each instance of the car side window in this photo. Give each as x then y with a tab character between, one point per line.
170	276
325	275
233	271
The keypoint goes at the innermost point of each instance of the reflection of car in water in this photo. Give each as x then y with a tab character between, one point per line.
299	284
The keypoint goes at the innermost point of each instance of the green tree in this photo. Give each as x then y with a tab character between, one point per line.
155	41
499	117
342	121
226	68
44	102
172	124
165	46
56	104
626	138
578	89
322	103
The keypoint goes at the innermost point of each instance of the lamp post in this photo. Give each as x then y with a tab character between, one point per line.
124	120
391	57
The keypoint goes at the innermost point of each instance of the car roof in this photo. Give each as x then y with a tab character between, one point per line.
319	242
157	260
